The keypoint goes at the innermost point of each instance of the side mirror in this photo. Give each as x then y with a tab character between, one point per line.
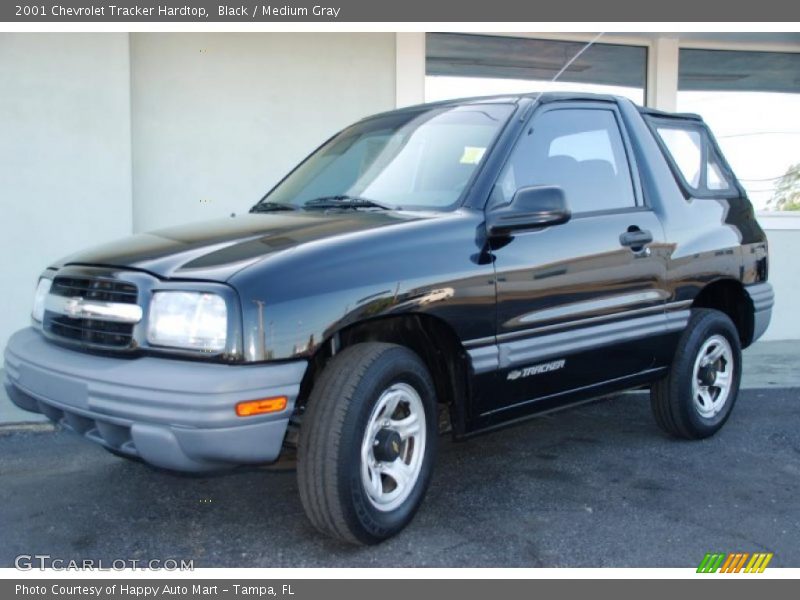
531	208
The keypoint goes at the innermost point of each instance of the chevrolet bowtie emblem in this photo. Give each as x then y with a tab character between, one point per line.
72	307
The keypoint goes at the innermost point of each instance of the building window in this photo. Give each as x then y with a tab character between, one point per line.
460	65
751	101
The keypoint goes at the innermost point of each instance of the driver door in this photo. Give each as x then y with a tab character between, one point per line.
577	303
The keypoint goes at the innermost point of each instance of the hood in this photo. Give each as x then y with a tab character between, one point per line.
216	250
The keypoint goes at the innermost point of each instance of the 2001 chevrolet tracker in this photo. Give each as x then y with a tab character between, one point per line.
455	265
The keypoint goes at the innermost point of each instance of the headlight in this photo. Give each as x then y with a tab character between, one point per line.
193	320
39	298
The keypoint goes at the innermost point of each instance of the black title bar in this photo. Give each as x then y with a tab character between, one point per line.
33	11
730	588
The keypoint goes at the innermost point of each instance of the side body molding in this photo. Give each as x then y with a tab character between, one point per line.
513	353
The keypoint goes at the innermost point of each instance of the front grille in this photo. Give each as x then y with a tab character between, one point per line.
106	290
92	332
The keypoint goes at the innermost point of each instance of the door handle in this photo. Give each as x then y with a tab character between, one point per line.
636	239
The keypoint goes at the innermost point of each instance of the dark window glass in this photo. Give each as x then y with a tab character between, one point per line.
580	150
411	159
686	147
695	158
715	178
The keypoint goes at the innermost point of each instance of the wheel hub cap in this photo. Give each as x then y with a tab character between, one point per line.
393	447
712	379
708	375
387	445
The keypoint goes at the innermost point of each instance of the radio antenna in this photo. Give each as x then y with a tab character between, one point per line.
567	65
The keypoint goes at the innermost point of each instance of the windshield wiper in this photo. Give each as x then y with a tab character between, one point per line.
344	201
263	207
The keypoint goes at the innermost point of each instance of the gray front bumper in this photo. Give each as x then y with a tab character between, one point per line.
173	414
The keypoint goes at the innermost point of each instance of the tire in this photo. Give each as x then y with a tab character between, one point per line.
695	401
346	478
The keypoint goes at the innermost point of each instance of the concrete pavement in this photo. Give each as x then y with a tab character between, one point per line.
597	485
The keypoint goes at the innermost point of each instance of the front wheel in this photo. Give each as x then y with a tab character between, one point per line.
367	443
698	395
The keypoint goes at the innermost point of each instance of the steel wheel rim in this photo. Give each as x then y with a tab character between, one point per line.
712	377
399	410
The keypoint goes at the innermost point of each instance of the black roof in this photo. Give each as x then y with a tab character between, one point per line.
505	98
542	97
654	112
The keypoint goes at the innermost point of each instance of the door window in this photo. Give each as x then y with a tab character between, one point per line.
580	150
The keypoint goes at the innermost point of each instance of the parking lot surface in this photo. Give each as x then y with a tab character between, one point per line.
597	485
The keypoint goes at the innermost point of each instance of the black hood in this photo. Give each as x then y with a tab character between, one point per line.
216	250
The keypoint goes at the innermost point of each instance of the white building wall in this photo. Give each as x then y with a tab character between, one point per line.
662	73
783	235
219	118
65	155
410	68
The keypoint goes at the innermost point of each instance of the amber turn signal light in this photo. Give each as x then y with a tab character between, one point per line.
259	407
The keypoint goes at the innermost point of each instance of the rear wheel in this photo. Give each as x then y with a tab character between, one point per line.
367	443
698	395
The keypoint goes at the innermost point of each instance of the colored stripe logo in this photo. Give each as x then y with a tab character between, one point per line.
735	562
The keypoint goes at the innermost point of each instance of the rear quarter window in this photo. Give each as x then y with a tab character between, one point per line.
694	158
686	148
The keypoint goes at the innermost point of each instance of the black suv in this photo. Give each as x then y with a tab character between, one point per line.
452	266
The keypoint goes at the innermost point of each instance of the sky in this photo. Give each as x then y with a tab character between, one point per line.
759	132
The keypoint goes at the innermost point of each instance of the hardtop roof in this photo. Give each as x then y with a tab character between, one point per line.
543	97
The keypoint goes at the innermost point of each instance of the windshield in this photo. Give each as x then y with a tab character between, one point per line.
413	160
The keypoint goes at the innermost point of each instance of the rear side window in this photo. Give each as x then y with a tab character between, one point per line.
580	150
693	157
715	177
686	148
